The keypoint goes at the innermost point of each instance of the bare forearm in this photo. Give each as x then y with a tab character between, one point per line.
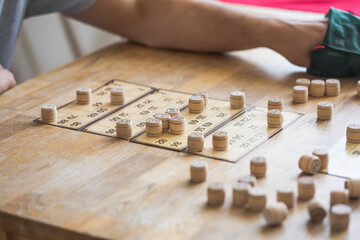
185	24
204	26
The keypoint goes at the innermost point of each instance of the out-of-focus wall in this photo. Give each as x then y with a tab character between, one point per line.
49	41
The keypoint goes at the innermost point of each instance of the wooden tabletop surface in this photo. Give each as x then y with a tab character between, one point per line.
57	183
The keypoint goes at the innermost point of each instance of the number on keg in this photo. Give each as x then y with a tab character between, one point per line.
161	141
175	144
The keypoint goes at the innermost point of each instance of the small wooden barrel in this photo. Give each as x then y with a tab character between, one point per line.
309	164
303	82
195	142
196	104
300	94
332	87
276	213
198	171
258	166
353	185
275	118
204	95
165	120
317	88
353	133
48	113
340	217
286	195
220	141
324	110
173	112
177	125
256	199
124	128
306	188
216	194
240	194
118	96
83	95
153	127
237	100
323	155
316	211
276	103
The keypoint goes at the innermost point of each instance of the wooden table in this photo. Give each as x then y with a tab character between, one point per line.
57	183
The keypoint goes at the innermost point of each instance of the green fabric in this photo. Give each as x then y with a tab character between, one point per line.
340	56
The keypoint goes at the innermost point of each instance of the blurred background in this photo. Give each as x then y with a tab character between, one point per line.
49	41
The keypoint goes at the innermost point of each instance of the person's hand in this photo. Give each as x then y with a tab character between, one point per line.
7	80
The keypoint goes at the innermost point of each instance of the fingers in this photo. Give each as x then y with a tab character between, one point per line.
7	80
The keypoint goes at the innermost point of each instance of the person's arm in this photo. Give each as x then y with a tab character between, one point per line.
204	26
7	80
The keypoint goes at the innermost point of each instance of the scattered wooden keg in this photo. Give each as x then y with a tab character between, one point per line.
316	211
353	133
332	87
256	199
196	104
83	95
240	193
340	217
309	164
204	95
153	127
237	100
247	179
276	213
317	88
306	188
198	171
216	194
353	185
303	82
275	118
276	103
358	88
258	166
165	120
177	125
124	128
220	140
173	112
323	155
118	96
48	113
286	195
300	94
339	197
195	142
324	110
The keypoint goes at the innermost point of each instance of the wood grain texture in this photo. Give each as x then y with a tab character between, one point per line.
62	184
